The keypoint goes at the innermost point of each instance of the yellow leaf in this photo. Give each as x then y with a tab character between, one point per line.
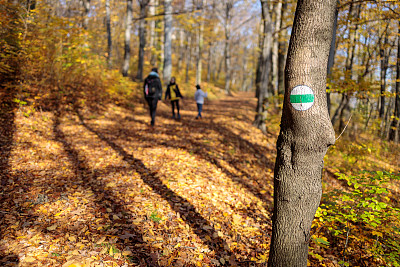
72	238
30	259
177	245
58	214
52	228
111	251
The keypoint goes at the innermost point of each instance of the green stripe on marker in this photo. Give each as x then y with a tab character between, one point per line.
308	98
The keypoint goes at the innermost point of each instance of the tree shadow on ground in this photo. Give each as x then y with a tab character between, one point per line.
106	199
7	128
200	226
185	141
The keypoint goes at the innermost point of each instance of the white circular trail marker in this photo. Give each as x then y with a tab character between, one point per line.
302	97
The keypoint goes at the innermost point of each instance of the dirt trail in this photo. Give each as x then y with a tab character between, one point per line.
106	188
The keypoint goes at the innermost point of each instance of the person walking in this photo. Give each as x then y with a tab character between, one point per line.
174	95
199	97
152	92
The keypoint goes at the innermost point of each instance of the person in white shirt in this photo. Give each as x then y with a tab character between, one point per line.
199	97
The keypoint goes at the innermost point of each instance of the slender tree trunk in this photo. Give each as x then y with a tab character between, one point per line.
331	59
345	109
282	47
305	134
354	14
275	47
338	110
86	7
142	36
152	42
394	129
181	49
109	37
167	41
128	29
264	68
210	55
227	52
188	56
200	43
384	54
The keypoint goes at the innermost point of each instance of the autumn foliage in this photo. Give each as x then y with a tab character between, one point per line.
86	182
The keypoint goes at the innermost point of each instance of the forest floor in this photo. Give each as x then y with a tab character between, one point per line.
103	188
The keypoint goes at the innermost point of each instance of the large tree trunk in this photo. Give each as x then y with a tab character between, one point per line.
142	36
128	29
394	130
167	41
263	68
109	38
305	134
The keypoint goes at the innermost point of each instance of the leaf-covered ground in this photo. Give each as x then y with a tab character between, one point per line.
105	189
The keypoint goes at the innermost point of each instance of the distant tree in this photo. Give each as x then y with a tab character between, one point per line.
167	40
109	37
395	126
263	67
227	51
127	47
305	135
142	36
200	41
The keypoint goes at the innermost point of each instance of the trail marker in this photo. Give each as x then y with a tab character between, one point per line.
302	97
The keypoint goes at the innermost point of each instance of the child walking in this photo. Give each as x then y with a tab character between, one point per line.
174	95
199	97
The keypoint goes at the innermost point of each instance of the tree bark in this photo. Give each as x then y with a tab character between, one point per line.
394	130
142	36
304	137
167	41
263	68
128	29
109	37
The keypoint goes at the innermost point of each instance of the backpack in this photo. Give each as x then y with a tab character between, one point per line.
150	87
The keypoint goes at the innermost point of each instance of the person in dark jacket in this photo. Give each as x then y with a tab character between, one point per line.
152	89
174	95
